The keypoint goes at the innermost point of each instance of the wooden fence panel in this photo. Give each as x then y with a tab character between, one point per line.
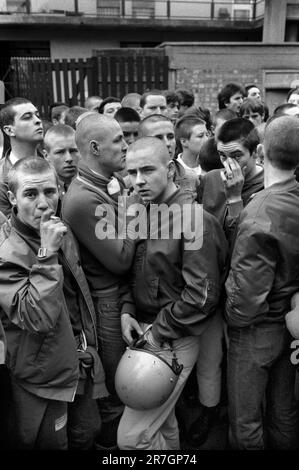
109	74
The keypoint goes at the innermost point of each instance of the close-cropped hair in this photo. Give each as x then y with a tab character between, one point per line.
62	130
57	111
252	105
149	93
127	115
148	120
130	98
201	113
184	126
186	97
109	99
227	91
30	166
282	108
242	130
208	156
281	142
7	112
72	115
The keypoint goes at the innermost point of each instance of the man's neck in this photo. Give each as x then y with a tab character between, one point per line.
23	149
95	167
274	175
189	158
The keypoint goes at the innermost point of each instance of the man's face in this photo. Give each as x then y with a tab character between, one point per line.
155	104
111	108
173	110
64	155
35	193
27	125
148	174
235	102
130	131
254	117
254	93
113	148
236	150
164	131
294	99
198	137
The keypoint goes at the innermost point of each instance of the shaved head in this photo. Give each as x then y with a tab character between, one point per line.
281	142
152	144
94	126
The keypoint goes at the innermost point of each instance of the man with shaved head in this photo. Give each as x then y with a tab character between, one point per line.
160	126
263	277
175	283
104	259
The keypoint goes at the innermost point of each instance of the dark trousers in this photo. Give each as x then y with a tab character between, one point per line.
39	423
84	423
260	379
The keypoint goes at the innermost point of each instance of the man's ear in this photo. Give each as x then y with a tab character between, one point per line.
45	153
171	169
55	121
260	151
94	147
9	130
184	142
12	198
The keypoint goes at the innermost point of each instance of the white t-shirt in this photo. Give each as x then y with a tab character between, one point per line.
197	169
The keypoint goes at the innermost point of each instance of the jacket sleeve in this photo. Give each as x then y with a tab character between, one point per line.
32	299
5	206
87	220
203	270
251	275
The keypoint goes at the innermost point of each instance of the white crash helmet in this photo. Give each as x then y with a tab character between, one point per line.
144	380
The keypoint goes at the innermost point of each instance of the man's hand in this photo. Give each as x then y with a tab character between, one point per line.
52	231
292	317
233	180
128	326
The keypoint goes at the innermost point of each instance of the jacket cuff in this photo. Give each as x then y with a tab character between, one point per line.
128	308
234	208
48	260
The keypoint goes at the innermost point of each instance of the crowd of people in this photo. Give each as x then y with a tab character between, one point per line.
147	224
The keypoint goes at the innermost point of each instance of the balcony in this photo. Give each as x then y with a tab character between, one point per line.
234	10
145	13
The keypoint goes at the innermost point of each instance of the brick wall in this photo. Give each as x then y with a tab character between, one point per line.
206	67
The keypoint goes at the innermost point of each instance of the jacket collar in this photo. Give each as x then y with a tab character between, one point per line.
285	185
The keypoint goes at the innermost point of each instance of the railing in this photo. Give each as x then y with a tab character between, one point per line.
233	10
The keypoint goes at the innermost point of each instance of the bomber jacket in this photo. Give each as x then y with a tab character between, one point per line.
264	271
42	350
176	281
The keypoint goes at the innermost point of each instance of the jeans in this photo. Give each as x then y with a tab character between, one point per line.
84	423
260	379
111	349
39	423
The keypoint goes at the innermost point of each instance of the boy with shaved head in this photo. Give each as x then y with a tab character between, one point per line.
263	277
175	282
105	260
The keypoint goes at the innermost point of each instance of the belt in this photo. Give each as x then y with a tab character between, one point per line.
104	292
